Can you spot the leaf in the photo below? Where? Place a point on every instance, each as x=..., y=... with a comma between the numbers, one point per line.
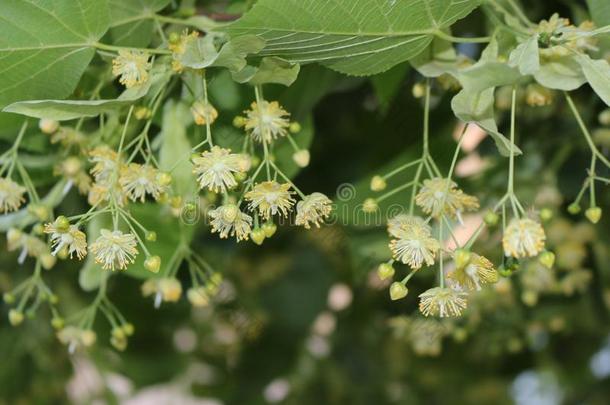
x=437, y=59
x=132, y=21
x=176, y=148
x=597, y=73
x=45, y=46
x=526, y=56
x=600, y=12
x=202, y=53
x=475, y=102
x=63, y=110
x=359, y=37
x=563, y=73
x=275, y=70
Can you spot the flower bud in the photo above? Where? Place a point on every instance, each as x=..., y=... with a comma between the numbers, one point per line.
x=604, y=117
x=62, y=224
x=258, y=236
x=164, y=179
x=398, y=291
x=118, y=332
x=491, y=218
x=239, y=122
x=128, y=328
x=269, y=229
x=48, y=261
x=594, y=214
x=153, y=264
x=119, y=343
x=203, y=113
x=88, y=337
x=385, y=271
x=244, y=162
x=294, y=127
x=15, y=317
x=142, y=113
x=574, y=208
x=8, y=297
x=419, y=90
x=370, y=205
x=546, y=214
x=151, y=236
x=40, y=211
x=461, y=258
x=57, y=323
x=301, y=158
x=198, y=297
x=547, y=259
x=378, y=183
x=538, y=96
x=48, y=126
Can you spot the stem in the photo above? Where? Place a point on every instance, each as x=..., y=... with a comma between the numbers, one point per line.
x=106, y=47
x=585, y=131
x=511, y=161
x=462, y=40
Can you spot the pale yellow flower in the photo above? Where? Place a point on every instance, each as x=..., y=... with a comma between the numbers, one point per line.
x=138, y=180
x=203, y=113
x=523, y=238
x=415, y=246
x=114, y=249
x=266, y=121
x=313, y=208
x=270, y=198
x=403, y=222
x=72, y=169
x=72, y=239
x=215, y=168
x=198, y=296
x=132, y=67
x=476, y=272
x=440, y=196
x=105, y=162
x=443, y=302
x=11, y=195
x=229, y=220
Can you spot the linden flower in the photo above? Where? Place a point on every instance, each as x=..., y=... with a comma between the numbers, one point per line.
x=266, y=121
x=414, y=245
x=68, y=137
x=402, y=222
x=132, y=67
x=101, y=192
x=11, y=195
x=215, y=168
x=523, y=238
x=71, y=168
x=478, y=271
x=203, y=113
x=313, y=208
x=114, y=249
x=440, y=196
x=229, y=220
x=138, y=180
x=105, y=161
x=72, y=239
x=443, y=302
x=270, y=198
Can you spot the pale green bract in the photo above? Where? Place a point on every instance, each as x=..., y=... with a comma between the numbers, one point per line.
x=46, y=45
x=359, y=37
x=597, y=73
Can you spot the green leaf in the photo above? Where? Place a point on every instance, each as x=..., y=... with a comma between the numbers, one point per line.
x=597, y=73
x=475, y=102
x=275, y=70
x=176, y=148
x=526, y=56
x=132, y=21
x=45, y=46
x=202, y=52
x=437, y=59
x=563, y=73
x=600, y=12
x=62, y=110
x=360, y=37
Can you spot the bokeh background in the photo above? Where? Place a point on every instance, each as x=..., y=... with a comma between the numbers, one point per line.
x=304, y=319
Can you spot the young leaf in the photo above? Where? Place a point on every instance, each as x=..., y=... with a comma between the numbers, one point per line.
x=132, y=21
x=526, y=56
x=360, y=37
x=63, y=110
x=275, y=70
x=46, y=46
x=562, y=73
x=597, y=73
